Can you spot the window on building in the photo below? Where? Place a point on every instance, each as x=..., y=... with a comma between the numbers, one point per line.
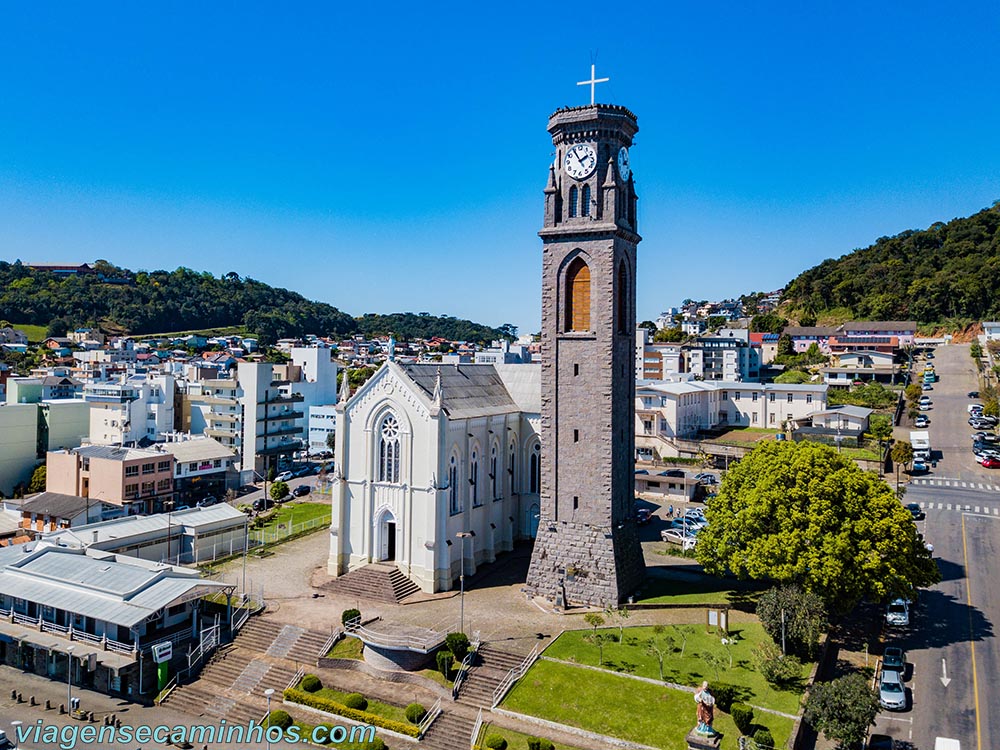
x=535, y=469
x=725, y=395
x=736, y=396
x=771, y=399
x=474, y=478
x=754, y=420
x=809, y=398
x=163, y=466
x=772, y=420
x=623, y=298
x=511, y=467
x=163, y=485
x=789, y=398
x=148, y=488
x=585, y=201
x=453, y=486
x=388, y=450
x=578, y=296
x=149, y=468
x=754, y=396
x=647, y=427
x=131, y=471
x=573, y=198
x=131, y=489
x=494, y=483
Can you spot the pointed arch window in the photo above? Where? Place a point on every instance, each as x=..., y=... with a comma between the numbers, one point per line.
x=474, y=479
x=578, y=296
x=573, y=198
x=494, y=480
x=510, y=467
x=388, y=450
x=623, y=298
x=453, y=502
x=535, y=469
x=585, y=201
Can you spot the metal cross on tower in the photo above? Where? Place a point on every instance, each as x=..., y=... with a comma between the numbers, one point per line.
x=592, y=82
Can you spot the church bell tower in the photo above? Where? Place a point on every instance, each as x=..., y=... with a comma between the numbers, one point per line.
x=587, y=549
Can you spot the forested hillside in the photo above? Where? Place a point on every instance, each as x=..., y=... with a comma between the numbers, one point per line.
x=120, y=300
x=948, y=272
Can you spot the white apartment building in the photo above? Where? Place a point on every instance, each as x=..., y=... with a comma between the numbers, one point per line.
x=656, y=361
x=680, y=410
x=723, y=358
x=322, y=423
x=125, y=413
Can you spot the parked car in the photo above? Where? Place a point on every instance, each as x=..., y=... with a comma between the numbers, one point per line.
x=898, y=613
x=285, y=476
x=918, y=466
x=691, y=525
x=696, y=513
x=973, y=394
x=302, y=489
x=263, y=503
x=991, y=421
x=928, y=387
x=206, y=502
x=916, y=511
x=706, y=478
x=675, y=536
x=921, y=421
x=894, y=659
x=892, y=691
x=990, y=463
x=974, y=407
x=924, y=406
x=672, y=473
x=643, y=516
x=881, y=742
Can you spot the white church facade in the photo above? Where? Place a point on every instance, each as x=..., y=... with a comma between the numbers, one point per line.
x=425, y=452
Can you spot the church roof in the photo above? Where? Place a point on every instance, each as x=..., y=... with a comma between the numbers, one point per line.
x=467, y=391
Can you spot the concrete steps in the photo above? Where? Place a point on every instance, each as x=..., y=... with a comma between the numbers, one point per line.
x=282, y=641
x=381, y=583
x=489, y=669
x=448, y=732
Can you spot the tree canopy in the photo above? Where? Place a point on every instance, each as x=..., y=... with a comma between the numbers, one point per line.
x=842, y=709
x=802, y=513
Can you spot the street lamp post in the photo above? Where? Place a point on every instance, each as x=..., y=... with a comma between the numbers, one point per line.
x=170, y=508
x=246, y=545
x=69, y=678
x=463, y=535
x=267, y=734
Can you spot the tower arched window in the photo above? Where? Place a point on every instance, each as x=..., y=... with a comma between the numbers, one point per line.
x=453, y=502
x=535, y=469
x=474, y=478
x=578, y=296
x=585, y=201
x=494, y=480
x=573, y=199
x=623, y=297
x=388, y=450
x=511, y=467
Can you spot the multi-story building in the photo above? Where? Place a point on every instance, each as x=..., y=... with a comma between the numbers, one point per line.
x=322, y=424
x=136, y=479
x=904, y=330
x=203, y=468
x=656, y=361
x=722, y=358
x=18, y=445
x=138, y=410
x=805, y=336
x=34, y=389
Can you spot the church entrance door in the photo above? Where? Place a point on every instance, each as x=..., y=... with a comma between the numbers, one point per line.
x=386, y=537
x=390, y=532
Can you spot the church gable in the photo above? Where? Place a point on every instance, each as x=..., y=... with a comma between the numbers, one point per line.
x=388, y=383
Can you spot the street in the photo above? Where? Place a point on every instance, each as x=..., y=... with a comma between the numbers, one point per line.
x=951, y=646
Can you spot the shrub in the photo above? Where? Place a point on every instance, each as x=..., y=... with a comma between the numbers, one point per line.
x=310, y=683
x=458, y=644
x=538, y=743
x=724, y=694
x=762, y=739
x=415, y=713
x=333, y=707
x=356, y=701
x=349, y=614
x=742, y=716
x=279, y=718
x=495, y=742
x=444, y=662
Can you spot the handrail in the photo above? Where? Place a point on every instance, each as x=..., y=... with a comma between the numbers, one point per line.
x=463, y=671
x=328, y=644
x=299, y=674
x=52, y=627
x=241, y=618
x=477, y=728
x=428, y=719
x=24, y=619
x=514, y=675
x=167, y=690
x=423, y=645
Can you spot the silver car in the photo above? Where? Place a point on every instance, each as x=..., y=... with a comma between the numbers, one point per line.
x=892, y=691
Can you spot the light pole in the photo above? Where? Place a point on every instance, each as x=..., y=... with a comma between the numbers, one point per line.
x=267, y=734
x=170, y=508
x=69, y=678
x=463, y=535
x=246, y=544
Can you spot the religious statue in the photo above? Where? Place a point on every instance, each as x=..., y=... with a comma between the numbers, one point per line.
x=706, y=710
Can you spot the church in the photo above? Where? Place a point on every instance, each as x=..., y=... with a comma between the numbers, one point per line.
x=426, y=452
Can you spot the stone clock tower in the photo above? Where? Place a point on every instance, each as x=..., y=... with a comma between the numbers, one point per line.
x=587, y=549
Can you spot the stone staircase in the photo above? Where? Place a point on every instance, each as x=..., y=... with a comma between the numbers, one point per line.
x=490, y=667
x=375, y=582
x=231, y=685
x=448, y=732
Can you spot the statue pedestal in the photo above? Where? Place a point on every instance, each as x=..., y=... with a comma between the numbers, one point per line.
x=697, y=741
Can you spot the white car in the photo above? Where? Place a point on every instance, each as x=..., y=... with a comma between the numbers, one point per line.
x=898, y=613
x=676, y=536
x=285, y=476
x=892, y=691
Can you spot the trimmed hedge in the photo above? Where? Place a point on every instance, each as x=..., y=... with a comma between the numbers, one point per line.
x=415, y=713
x=356, y=701
x=444, y=661
x=310, y=683
x=763, y=739
x=332, y=707
x=349, y=614
x=724, y=694
x=279, y=718
x=742, y=716
x=495, y=742
x=458, y=644
x=540, y=743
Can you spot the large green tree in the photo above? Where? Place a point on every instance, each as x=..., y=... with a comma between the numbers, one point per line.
x=793, y=618
x=842, y=709
x=802, y=513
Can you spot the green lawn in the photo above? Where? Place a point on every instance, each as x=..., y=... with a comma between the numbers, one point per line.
x=615, y=705
x=697, y=589
x=35, y=334
x=347, y=647
x=519, y=741
x=386, y=710
x=689, y=669
x=291, y=514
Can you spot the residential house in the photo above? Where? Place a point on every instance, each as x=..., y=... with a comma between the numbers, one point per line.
x=49, y=511
x=805, y=336
x=903, y=330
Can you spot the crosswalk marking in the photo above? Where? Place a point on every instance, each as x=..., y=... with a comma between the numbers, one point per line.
x=956, y=483
x=977, y=509
x=964, y=484
x=949, y=506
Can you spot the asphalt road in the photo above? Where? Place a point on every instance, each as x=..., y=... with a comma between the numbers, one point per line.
x=952, y=648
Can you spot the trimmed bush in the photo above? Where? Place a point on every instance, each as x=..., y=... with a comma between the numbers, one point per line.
x=724, y=694
x=356, y=701
x=349, y=614
x=415, y=713
x=445, y=659
x=762, y=739
x=539, y=743
x=495, y=742
x=279, y=718
x=310, y=683
x=458, y=644
x=333, y=707
x=742, y=716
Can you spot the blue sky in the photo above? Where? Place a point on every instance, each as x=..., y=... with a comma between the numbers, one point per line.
x=391, y=156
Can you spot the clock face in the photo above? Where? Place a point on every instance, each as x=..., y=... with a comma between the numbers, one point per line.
x=623, y=166
x=581, y=160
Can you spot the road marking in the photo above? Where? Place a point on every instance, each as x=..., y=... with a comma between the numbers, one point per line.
x=945, y=679
x=949, y=506
x=964, y=484
x=972, y=643
x=977, y=509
